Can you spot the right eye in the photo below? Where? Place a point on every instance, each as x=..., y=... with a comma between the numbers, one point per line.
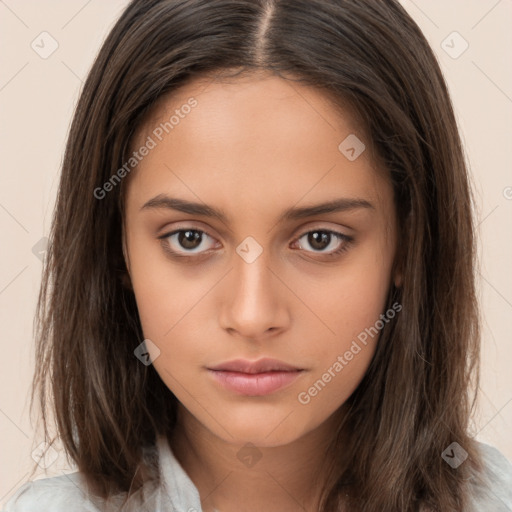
x=184, y=242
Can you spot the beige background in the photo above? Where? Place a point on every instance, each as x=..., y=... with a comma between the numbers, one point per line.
x=37, y=97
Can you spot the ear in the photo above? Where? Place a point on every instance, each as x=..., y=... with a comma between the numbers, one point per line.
x=125, y=252
x=397, y=268
x=125, y=276
x=397, y=278
x=397, y=273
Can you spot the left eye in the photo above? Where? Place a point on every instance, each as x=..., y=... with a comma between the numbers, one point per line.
x=320, y=240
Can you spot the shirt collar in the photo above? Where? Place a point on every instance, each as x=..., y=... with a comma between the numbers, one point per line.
x=177, y=490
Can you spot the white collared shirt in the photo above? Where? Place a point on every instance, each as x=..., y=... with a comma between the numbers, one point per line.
x=177, y=492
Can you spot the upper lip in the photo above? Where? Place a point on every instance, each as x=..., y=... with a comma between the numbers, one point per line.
x=259, y=366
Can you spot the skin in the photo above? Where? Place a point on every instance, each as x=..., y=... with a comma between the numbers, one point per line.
x=254, y=147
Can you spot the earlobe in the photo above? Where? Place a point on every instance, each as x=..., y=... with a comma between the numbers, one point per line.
x=126, y=281
x=125, y=254
x=125, y=277
x=397, y=275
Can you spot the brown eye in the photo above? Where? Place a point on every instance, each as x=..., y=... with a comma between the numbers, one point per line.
x=320, y=240
x=186, y=241
x=189, y=239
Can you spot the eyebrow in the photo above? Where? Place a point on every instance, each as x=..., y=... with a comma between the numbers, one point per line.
x=294, y=213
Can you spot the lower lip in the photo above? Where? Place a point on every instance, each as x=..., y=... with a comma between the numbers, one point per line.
x=254, y=384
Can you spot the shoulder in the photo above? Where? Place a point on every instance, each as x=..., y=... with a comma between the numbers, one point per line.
x=54, y=494
x=494, y=490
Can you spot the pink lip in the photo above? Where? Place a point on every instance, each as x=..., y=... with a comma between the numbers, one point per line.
x=254, y=378
x=260, y=366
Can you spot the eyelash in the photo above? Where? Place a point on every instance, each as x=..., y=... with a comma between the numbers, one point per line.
x=345, y=239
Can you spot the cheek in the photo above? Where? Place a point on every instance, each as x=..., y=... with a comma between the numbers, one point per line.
x=350, y=298
x=172, y=316
x=167, y=293
x=169, y=309
x=351, y=302
x=174, y=308
x=342, y=360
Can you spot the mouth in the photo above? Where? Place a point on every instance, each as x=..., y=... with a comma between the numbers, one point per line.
x=254, y=378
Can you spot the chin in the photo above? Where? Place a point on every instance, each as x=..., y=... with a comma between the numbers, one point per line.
x=262, y=431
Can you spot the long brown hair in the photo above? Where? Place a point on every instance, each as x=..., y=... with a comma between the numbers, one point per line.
x=417, y=395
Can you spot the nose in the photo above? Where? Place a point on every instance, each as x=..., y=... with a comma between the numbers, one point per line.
x=254, y=302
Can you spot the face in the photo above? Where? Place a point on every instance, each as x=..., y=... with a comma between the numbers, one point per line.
x=232, y=257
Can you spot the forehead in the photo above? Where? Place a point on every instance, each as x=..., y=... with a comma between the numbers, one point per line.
x=260, y=136
x=255, y=101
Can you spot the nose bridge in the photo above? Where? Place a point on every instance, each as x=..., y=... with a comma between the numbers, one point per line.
x=253, y=279
x=255, y=301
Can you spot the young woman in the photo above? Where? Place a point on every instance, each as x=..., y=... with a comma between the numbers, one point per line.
x=259, y=291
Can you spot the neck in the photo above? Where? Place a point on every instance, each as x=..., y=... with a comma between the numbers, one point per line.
x=233, y=477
